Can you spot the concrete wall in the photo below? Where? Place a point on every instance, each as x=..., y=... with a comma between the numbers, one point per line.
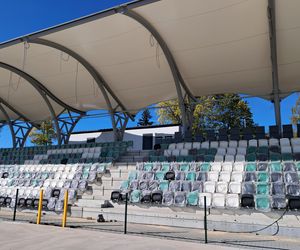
x=135, y=135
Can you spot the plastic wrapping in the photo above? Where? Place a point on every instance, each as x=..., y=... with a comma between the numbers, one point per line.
x=248, y=188
x=179, y=175
x=291, y=177
x=134, y=185
x=135, y=196
x=278, y=188
x=262, y=166
x=163, y=185
x=180, y=199
x=192, y=198
x=232, y=201
x=74, y=184
x=92, y=176
x=262, y=202
x=197, y=186
x=47, y=193
x=174, y=186
x=209, y=187
x=82, y=186
x=249, y=176
x=194, y=166
x=190, y=176
x=146, y=196
x=222, y=187
x=278, y=202
x=276, y=177
x=218, y=200
x=51, y=203
x=160, y=175
x=186, y=186
x=263, y=176
x=59, y=206
x=77, y=176
x=202, y=176
x=156, y=166
x=174, y=166
x=143, y=185
x=153, y=185
x=67, y=184
x=168, y=198
x=262, y=188
x=289, y=166
x=293, y=189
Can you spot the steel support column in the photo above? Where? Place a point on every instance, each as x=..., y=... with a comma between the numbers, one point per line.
x=67, y=123
x=178, y=79
x=45, y=94
x=102, y=85
x=21, y=131
x=273, y=48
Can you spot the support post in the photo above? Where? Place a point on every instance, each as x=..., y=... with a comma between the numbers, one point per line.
x=39, y=215
x=16, y=204
x=64, y=219
x=125, y=219
x=205, y=221
x=273, y=49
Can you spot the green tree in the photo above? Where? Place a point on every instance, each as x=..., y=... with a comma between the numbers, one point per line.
x=217, y=111
x=296, y=112
x=44, y=135
x=145, y=119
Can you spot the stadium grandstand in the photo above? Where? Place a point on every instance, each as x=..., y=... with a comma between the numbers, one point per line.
x=127, y=58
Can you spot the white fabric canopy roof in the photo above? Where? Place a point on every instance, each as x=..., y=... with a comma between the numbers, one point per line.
x=220, y=46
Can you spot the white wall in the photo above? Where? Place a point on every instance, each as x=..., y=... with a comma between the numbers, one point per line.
x=135, y=135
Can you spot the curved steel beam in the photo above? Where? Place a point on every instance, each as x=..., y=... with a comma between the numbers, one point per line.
x=93, y=72
x=17, y=112
x=10, y=125
x=102, y=84
x=36, y=84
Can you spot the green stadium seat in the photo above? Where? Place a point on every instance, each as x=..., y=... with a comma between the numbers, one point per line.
x=262, y=188
x=262, y=176
x=192, y=198
x=250, y=167
x=205, y=167
x=262, y=202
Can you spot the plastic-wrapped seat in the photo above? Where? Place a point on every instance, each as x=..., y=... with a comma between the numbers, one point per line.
x=262, y=176
x=135, y=196
x=289, y=167
x=278, y=202
x=209, y=187
x=197, y=186
x=164, y=185
x=293, y=189
x=213, y=176
x=249, y=176
x=250, y=167
x=145, y=196
x=153, y=185
x=234, y=187
x=262, y=188
x=222, y=187
x=291, y=177
x=237, y=176
x=168, y=198
x=225, y=176
x=218, y=200
x=192, y=198
x=248, y=188
x=276, y=177
x=179, y=175
x=134, y=185
x=175, y=186
x=51, y=203
x=205, y=167
x=202, y=176
x=208, y=199
x=186, y=186
x=143, y=185
x=238, y=166
x=227, y=166
x=232, y=201
x=278, y=188
x=215, y=166
x=180, y=199
x=262, y=202
x=262, y=166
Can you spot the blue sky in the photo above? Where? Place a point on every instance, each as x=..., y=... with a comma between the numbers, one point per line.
x=18, y=18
